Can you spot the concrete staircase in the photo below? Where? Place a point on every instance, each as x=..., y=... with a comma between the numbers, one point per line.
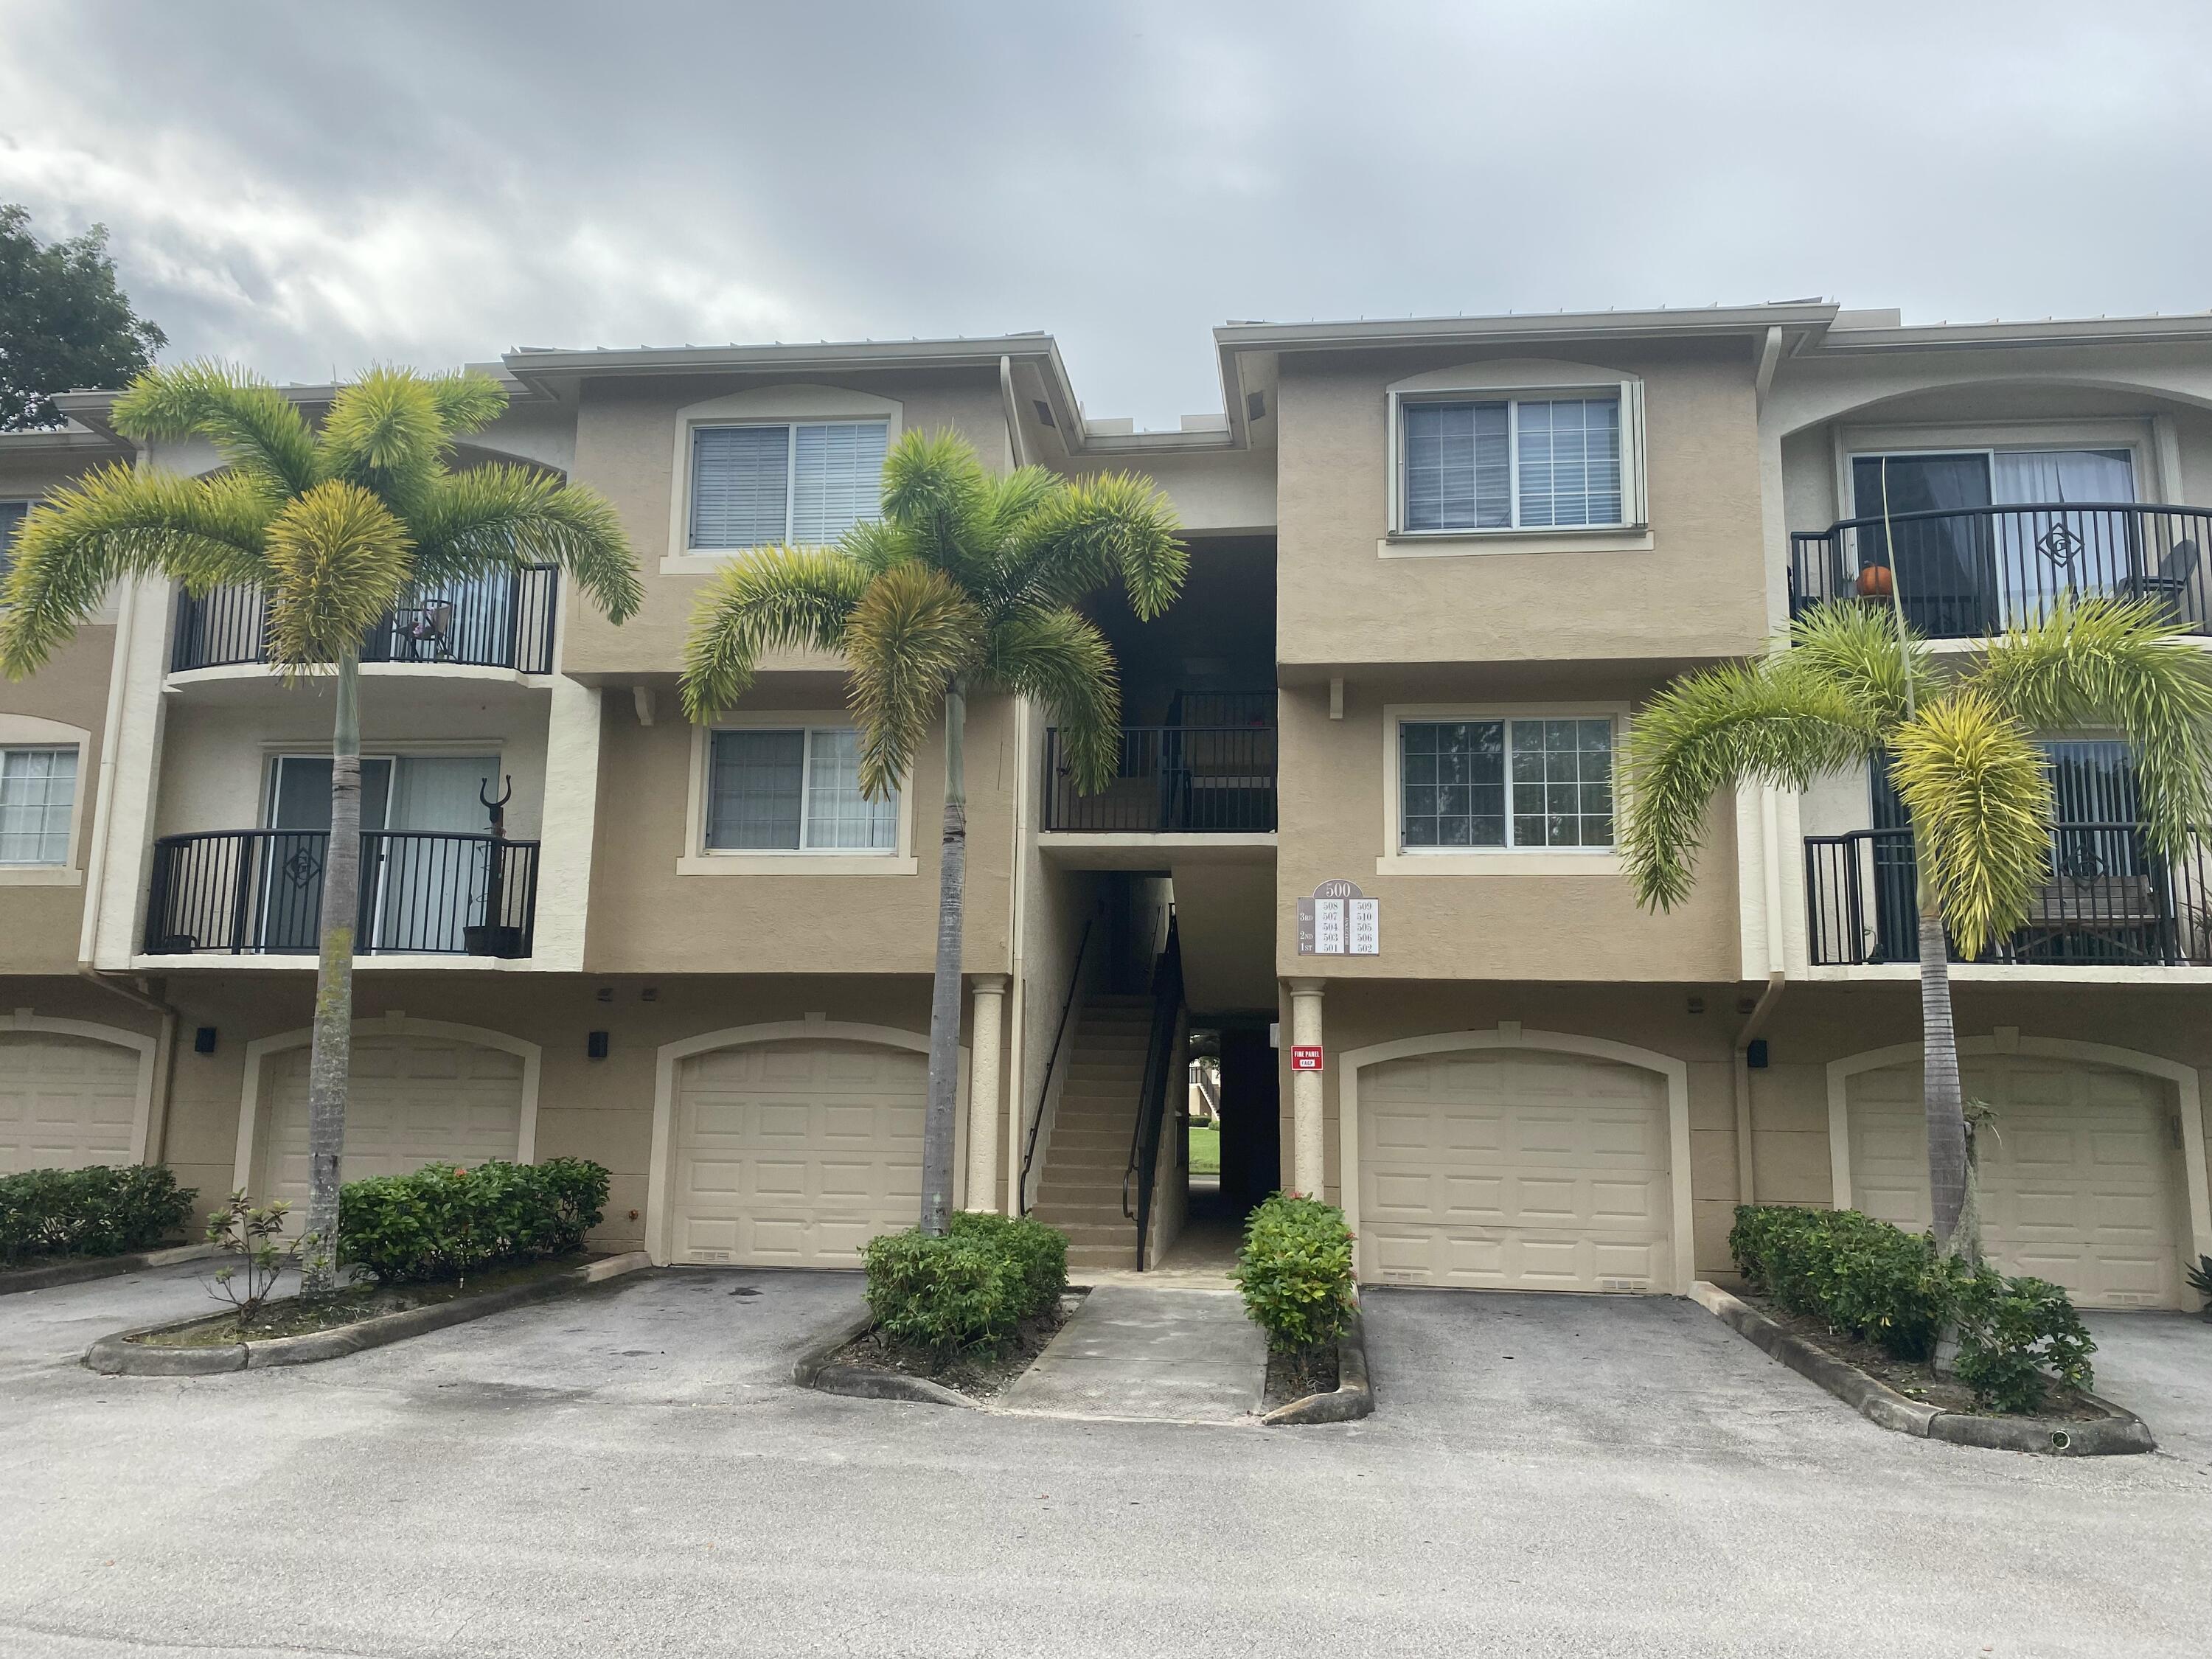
x=1089, y=1154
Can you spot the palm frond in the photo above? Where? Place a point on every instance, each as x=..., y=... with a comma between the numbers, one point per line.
x=1060, y=659
x=911, y=635
x=1762, y=722
x=1097, y=529
x=1854, y=648
x=115, y=523
x=338, y=560
x=876, y=545
x=768, y=600
x=1980, y=800
x=466, y=400
x=2124, y=664
x=937, y=491
x=256, y=429
x=498, y=515
x=385, y=433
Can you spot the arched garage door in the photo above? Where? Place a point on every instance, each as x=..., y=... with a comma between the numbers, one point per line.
x=65, y=1102
x=1514, y=1169
x=795, y=1153
x=2081, y=1183
x=412, y=1100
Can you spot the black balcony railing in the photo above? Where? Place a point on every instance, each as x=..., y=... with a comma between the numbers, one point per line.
x=2111, y=902
x=1173, y=780
x=1977, y=571
x=501, y=621
x=260, y=891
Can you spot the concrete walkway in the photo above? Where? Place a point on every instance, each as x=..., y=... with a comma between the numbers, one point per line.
x=1149, y=1353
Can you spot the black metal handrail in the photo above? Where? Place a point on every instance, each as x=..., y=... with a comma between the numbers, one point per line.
x=2111, y=900
x=1171, y=780
x=504, y=620
x=260, y=892
x=1152, y=1102
x=1052, y=1059
x=1964, y=573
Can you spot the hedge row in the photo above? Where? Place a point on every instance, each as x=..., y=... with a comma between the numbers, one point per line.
x=444, y=1222
x=1295, y=1269
x=104, y=1209
x=1884, y=1286
x=966, y=1289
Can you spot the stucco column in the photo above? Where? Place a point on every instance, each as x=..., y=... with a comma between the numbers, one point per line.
x=1308, y=1154
x=983, y=1094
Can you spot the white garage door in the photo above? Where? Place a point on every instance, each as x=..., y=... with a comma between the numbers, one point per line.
x=65, y=1102
x=413, y=1100
x=795, y=1154
x=1517, y=1171
x=2081, y=1184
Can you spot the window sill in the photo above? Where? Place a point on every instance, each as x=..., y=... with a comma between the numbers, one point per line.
x=703, y=564
x=39, y=875
x=1461, y=544
x=797, y=864
x=1500, y=863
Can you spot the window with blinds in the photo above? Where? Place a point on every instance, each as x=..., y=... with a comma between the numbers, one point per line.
x=38, y=786
x=11, y=514
x=1511, y=464
x=760, y=486
x=794, y=791
x=1499, y=783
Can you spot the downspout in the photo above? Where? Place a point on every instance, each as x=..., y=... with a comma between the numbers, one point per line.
x=110, y=731
x=1777, y=975
x=1015, y=450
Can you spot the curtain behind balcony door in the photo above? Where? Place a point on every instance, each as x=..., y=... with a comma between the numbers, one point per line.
x=2042, y=554
x=430, y=889
x=1946, y=568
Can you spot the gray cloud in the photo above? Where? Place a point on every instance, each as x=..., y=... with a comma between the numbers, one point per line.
x=312, y=188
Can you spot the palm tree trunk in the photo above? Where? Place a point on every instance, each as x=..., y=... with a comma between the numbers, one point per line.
x=937, y=1125
x=1944, y=1098
x=330, y=1060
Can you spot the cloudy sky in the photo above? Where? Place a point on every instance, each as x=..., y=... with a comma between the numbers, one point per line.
x=312, y=188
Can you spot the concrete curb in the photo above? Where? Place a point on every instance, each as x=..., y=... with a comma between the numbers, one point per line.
x=812, y=1370
x=1352, y=1398
x=2119, y=1433
x=78, y=1271
x=119, y=1355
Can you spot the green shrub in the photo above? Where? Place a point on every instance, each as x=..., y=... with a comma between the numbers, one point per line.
x=1866, y=1278
x=970, y=1288
x=444, y=1222
x=1295, y=1269
x=1870, y=1280
x=102, y=1210
x=2014, y=1335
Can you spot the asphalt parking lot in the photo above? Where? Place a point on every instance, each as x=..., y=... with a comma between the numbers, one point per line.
x=629, y=1472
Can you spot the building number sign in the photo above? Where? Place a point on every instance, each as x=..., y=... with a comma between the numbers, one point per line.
x=1338, y=920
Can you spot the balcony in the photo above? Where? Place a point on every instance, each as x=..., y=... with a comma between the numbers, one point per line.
x=259, y=892
x=2110, y=902
x=1973, y=572
x=503, y=621
x=1216, y=776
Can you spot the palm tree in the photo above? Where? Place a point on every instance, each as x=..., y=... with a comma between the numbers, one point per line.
x=332, y=525
x=968, y=581
x=1855, y=687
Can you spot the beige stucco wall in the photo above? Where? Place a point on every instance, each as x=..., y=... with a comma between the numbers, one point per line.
x=644, y=917
x=39, y=923
x=626, y=449
x=1508, y=925
x=1695, y=592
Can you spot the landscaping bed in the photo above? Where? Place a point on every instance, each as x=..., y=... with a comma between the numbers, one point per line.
x=980, y=1375
x=303, y=1315
x=1307, y=1371
x=1294, y=1269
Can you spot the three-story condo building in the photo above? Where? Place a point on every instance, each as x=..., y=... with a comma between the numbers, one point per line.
x=1360, y=847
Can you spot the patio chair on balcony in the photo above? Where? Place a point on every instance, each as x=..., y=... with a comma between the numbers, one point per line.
x=2173, y=582
x=426, y=630
x=2095, y=918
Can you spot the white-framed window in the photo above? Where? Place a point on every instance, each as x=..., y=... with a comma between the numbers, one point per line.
x=801, y=483
x=37, y=792
x=11, y=514
x=1491, y=462
x=773, y=789
x=1529, y=783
